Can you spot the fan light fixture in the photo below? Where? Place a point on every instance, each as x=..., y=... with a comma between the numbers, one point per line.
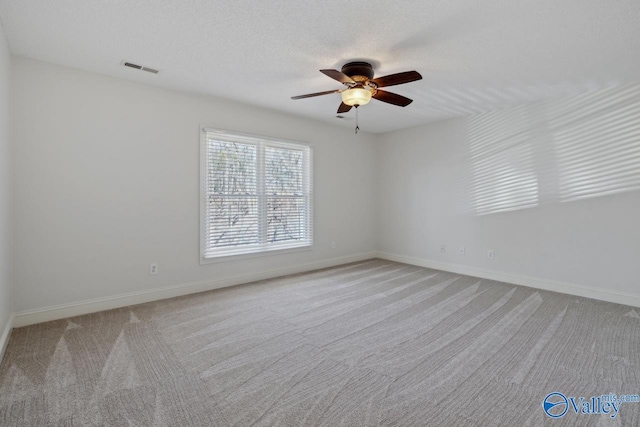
x=360, y=85
x=356, y=96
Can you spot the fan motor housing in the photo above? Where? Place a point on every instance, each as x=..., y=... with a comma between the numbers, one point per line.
x=358, y=69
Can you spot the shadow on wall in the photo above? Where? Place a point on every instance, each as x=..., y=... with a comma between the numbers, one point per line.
x=555, y=151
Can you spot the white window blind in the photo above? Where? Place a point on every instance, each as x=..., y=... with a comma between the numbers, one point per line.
x=256, y=194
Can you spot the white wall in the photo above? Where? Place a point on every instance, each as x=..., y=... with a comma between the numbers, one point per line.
x=6, y=188
x=434, y=180
x=107, y=181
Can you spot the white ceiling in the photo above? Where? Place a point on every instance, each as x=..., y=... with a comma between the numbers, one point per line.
x=474, y=56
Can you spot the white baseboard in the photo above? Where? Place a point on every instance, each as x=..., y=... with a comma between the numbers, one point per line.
x=547, y=285
x=4, y=338
x=47, y=314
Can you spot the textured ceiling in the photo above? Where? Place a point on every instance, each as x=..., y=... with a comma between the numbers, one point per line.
x=474, y=56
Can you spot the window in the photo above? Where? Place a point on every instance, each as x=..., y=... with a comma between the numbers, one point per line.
x=256, y=194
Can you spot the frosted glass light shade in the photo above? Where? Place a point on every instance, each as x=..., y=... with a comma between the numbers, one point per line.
x=356, y=96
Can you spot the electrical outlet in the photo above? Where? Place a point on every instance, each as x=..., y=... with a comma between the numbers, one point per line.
x=153, y=268
x=333, y=244
x=490, y=254
x=461, y=251
x=443, y=249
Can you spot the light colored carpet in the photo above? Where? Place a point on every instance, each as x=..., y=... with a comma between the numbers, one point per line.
x=366, y=344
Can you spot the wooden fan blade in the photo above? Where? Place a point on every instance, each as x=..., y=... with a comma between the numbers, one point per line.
x=343, y=108
x=337, y=75
x=392, y=98
x=397, y=79
x=309, y=95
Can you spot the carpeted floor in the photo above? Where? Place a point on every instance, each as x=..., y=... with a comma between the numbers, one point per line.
x=366, y=344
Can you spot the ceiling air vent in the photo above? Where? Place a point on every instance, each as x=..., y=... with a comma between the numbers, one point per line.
x=140, y=67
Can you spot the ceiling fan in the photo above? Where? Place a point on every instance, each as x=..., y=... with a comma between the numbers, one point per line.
x=361, y=86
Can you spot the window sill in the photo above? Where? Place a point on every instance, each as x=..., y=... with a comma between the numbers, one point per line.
x=239, y=257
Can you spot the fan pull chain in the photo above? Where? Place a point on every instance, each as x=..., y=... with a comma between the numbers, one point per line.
x=357, y=127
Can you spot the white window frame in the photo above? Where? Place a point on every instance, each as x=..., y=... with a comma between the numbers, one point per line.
x=262, y=248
